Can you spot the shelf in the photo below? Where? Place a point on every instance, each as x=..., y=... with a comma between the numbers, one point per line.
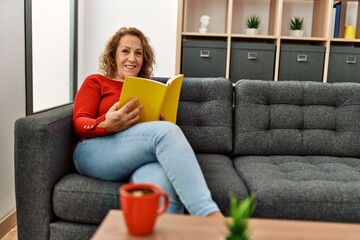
x=228, y=17
x=304, y=39
x=253, y=36
x=196, y=34
x=345, y=40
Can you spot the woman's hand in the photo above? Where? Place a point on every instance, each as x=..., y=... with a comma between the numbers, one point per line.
x=117, y=120
x=162, y=117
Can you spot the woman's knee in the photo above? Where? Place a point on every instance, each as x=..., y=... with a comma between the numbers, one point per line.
x=165, y=126
x=169, y=130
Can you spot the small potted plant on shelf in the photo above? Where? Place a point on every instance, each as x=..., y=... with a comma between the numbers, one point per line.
x=296, y=26
x=252, y=24
x=240, y=211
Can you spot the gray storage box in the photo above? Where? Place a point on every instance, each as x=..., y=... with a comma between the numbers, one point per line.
x=205, y=58
x=252, y=61
x=301, y=62
x=344, y=64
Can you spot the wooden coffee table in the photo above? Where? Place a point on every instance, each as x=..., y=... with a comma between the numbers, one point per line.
x=182, y=227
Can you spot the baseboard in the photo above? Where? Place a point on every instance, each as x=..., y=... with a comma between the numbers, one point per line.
x=7, y=223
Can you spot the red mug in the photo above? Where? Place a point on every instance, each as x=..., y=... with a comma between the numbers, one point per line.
x=140, y=203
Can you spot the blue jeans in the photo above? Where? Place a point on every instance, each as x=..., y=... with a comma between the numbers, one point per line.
x=153, y=152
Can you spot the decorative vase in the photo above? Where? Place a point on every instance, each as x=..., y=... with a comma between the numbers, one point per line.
x=297, y=33
x=251, y=31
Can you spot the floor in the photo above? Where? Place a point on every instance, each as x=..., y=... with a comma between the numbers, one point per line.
x=12, y=235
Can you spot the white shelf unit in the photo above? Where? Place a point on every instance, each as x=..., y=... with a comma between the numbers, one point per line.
x=228, y=16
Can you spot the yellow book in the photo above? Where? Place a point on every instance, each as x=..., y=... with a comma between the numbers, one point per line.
x=155, y=97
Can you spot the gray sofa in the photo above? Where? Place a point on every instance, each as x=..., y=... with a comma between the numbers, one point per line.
x=295, y=145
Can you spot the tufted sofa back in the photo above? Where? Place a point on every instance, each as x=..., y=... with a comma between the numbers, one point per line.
x=296, y=118
x=205, y=114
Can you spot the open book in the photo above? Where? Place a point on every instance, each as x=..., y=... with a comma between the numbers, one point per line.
x=155, y=97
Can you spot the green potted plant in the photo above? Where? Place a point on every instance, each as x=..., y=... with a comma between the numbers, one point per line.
x=240, y=211
x=296, y=25
x=252, y=24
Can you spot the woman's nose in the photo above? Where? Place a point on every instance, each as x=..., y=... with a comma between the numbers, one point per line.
x=131, y=57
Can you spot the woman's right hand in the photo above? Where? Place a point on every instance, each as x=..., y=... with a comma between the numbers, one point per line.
x=117, y=120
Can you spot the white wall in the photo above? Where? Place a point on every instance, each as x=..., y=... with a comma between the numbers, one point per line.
x=12, y=94
x=99, y=19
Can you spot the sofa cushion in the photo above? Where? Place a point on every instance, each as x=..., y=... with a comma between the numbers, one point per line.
x=310, y=187
x=297, y=118
x=81, y=199
x=222, y=179
x=70, y=230
x=205, y=114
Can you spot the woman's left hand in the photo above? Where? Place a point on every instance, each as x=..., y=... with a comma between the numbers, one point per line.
x=162, y=117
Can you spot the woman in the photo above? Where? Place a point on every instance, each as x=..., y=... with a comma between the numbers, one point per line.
x=115, y=147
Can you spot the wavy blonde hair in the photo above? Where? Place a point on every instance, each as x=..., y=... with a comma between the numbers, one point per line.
x=107, y=60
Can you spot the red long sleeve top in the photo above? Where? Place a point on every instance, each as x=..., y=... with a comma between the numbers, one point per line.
x=94, y=98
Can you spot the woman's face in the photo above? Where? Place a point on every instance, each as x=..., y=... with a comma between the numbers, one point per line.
x=129, y=56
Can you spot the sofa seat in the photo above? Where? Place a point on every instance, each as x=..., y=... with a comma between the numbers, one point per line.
x=222, y=179
x=303, y=187
x=81, y=199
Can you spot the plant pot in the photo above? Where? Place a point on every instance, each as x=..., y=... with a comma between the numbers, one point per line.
x=251, y=31
x=297, y=33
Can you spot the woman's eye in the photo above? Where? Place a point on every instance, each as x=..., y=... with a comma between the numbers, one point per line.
x=139, y=54
x=125, y=51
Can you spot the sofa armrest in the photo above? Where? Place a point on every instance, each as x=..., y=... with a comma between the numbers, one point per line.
x=43, y=155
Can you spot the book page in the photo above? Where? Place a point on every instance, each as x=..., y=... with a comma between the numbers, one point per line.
x=150, y=95
x=171, y=101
